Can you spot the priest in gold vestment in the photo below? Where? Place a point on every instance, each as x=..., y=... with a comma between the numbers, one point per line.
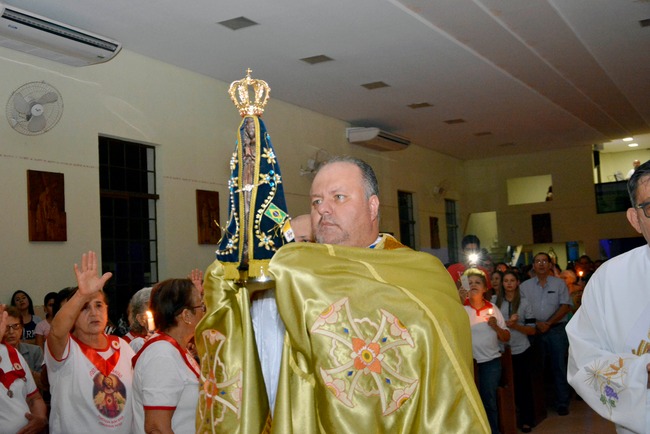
x=376, y=339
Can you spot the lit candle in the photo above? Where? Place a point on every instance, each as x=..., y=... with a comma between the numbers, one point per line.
x=150, y=325
x=580, y=273
x=490, y=311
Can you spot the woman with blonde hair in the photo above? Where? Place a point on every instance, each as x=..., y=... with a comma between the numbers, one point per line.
x=488, y=329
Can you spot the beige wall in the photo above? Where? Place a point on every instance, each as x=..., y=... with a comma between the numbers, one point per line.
x=612, y=162
x=192, y=123
x=573, y=209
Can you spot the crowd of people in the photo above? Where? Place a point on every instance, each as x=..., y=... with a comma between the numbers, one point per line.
x=91, y=378
x=589, y=324
x=533, y=304
x=150, y=379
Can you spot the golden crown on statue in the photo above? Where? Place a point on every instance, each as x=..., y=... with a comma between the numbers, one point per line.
x=247, y=103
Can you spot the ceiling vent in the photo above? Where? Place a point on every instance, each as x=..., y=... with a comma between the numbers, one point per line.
x=376, y=139
x=39, y=36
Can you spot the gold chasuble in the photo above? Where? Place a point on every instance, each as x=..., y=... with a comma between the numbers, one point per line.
x=377, y=341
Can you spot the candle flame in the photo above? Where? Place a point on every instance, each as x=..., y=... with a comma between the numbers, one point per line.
x=150, y=324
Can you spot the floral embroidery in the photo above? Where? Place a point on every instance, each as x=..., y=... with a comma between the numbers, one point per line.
x=397, y=328
x=266, y=242
x=270, y=178
x=219, y=391
x=365, y=357
x=329, y=315
x=608, y=379
x=269, y=155
x=233, y=159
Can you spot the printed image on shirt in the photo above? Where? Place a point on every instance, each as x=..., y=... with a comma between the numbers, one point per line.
x=110, y=395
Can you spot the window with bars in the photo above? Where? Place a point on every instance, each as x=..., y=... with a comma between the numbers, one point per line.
x=406, y=218
x=452, y=230
x=127, y=183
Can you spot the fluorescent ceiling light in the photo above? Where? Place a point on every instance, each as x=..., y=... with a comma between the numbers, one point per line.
x=628, y=139
x=633, y=145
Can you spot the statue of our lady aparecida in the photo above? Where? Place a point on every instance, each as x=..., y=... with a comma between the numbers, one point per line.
x=238, y=289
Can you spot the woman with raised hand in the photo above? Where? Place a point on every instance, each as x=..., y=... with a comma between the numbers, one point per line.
x=89, y=372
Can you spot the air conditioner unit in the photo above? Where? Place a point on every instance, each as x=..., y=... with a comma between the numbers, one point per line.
x=376, y=139
x=24, y=31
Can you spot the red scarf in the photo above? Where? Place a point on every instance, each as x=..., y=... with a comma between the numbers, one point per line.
x=7, y=378
x=487, y=305
x=105, y=366
x=185, y=355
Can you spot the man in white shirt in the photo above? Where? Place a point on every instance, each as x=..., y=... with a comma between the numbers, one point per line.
x=635, y=165
x=609, y=336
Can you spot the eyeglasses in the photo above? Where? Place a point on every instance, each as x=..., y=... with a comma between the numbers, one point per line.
x=645, y=206
x=14, y=327
x=541, y=261
x=202, y=306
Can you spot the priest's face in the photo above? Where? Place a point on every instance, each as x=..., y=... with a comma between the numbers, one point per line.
x=340, y=211
x=636, y=216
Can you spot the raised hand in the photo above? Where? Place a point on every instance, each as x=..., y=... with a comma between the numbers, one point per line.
x=196, y=276
x=3, y=321
x=88, y=278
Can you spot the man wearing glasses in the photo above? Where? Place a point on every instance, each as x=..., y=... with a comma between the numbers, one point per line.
x=609, y=356
x=549, y=297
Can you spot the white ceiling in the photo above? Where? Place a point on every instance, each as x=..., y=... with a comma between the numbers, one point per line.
x=525, y=76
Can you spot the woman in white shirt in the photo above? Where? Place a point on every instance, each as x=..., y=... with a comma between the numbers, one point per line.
x=521, y=322
x=488, y=329
x=166, y=376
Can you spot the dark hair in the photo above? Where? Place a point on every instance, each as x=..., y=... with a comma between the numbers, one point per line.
x=371, y=186
x=640, y=172
x=168, y=299
x=49, y=296
x=548, y=257
x=66, y=294
x=30, y=308
x=501, y=274
x=516, y=301
x=14, y=312
x=470, y=239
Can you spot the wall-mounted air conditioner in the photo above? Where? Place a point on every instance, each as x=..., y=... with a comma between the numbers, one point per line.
x=24, y=31
x=376, y=139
